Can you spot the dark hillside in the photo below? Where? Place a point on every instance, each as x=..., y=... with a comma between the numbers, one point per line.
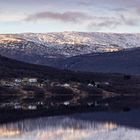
x=12, y=68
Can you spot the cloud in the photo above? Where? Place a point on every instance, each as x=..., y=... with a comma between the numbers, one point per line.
x=69, y=16
x=118, y=9
x=112, y=22
x=90, y=21
x=85, y=3
x=138, y=10
x=103, y=23
x=110, y=2
x=129, y=21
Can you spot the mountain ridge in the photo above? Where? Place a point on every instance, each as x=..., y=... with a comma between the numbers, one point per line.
x=67, y=50
x=117, y=62
x=68, y=44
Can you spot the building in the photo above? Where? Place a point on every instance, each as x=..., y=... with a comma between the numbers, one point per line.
x=32, y=80
x=18, y=81
x=90, y=85
x=29, y=81
x=66, y=85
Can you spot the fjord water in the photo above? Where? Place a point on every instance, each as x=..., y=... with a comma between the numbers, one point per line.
x=90, y=126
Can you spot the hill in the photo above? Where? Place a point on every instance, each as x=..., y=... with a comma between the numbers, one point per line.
x=10, y=68
x=64, y=44
x=116, y=62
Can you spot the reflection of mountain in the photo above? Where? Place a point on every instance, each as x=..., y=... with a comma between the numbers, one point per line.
x=82, y=126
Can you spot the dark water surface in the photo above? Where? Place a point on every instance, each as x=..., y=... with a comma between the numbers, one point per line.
x=88, y=126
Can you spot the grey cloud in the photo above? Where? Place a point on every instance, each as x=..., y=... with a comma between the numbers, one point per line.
x=111, y=23
x=138, y=10
x=85, y=3
x=118, y=9
x=107, y=23
x=92, y=22
x=64, y=17
x=128, y=21
x=114, y=5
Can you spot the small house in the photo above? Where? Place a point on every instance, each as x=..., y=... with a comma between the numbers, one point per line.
x=97, y=84
x=90, y=85
x=66, y=85
x=18, y=81
x=25, y=80
x=32, y=80
x=106, y=83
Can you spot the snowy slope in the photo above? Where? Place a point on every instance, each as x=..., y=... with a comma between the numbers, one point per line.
x=65, y=44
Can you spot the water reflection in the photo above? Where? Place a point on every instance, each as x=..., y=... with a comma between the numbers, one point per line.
x=66, y=128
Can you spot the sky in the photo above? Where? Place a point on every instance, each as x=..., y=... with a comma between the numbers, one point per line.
x=41, y=16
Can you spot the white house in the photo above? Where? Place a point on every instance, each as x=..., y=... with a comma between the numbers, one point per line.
x=106, y=83
x=32, y=80
x=18, y=81
x=90, y=85
x=66, y=85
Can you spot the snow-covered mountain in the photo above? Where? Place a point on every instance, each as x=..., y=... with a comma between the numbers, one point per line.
x=75, y=50
x=64, y=44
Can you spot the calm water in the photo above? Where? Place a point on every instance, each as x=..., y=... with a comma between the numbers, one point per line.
x=76, y=127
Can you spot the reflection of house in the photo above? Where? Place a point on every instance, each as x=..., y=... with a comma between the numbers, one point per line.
x=32, y=107
x=11, y=105
x=17, y=106
x=90, y=103
x=66, y=103
x=29, y=107
x=101, y=83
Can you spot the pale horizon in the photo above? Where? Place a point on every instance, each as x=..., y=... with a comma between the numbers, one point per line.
x=69, y=32
x=45, y=16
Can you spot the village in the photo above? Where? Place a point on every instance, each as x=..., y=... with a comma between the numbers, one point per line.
x=42, y=82
x=33, y=93
x=21, y=82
